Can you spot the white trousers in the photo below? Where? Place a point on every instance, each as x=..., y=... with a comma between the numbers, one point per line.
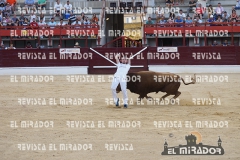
x=123, y=84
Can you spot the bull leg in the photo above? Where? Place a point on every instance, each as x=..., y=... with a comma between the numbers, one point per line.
x=140, y=97
x=162, y=98
x=176, y=95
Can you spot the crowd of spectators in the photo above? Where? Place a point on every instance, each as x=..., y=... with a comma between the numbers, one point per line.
x=214, y=16
x=35, y=19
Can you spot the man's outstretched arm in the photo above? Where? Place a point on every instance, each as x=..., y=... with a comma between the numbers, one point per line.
x=117, y=58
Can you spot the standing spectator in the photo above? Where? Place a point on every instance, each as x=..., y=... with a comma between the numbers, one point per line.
x=192, y=3
x=181, y=15
x=14, y=18
x=29, y=5
x=219, y=10
x=52, y=23
x=12, y=3
x=68, y=7
x=41, y=4
x=210, y=11
x=58, y=9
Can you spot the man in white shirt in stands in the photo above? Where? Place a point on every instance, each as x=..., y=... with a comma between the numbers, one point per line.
x=181, y=15
x=120, y=77
x=219, y=10
x=58, y=8
x=68, y=7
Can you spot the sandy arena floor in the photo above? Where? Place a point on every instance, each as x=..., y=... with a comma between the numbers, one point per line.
x=146, y=139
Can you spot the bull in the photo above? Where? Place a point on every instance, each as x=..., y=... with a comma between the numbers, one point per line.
x=145, y=82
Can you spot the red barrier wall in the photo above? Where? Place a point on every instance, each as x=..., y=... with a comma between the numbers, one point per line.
x=12, y=58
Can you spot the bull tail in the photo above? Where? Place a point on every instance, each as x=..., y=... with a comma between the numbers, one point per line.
x=193, y=80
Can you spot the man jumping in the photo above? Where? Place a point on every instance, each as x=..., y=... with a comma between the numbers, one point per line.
x=120, y=77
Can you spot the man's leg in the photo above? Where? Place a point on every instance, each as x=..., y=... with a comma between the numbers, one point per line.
x=123, y=84
x=115, y=83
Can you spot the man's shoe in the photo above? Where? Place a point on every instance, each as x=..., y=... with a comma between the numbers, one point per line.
x=125, y=105
x=117, y=104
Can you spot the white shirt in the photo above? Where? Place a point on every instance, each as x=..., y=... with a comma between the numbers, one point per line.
x=33, y=16
x=41, y=24
x=58, y=7
x=68, y=7
x=122, y=70
x=182, y=15
x=59, y=24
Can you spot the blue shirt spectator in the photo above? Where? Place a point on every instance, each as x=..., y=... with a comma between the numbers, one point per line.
x=149, y=21
x=52, y=23
x=179, y=21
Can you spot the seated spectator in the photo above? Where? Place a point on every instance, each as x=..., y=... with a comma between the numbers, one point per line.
x=28, y=45
x=4, y=21
x=233, y=15
x=14, y=18
x=225, y=43
x=32, y=16
x=3, y=2
x=72, y=18
x=10, y=23
x=41, y=4
x=2, y=8
x=197, y=21
x=17, y=23
x=41, y=24
x=219, y=10
x=61, y=23
x=83, y=16
x=58, y=9
x=162, y=22
x=29, y=5
x=225, y=16
x=219, y=20
x=1, y=15
x=215, y=43
x=68, y=7
x=200, y=10
x=2, y=46
x=94, y=18
x=149, y=21
x=11, y=46
x=41, y=16
x=188, y=21
x=8, y=9
x=87, y=22
x=181, y=15
x=170, y=22
x=210, y=11
x=21, y=19
x=179, y=21
x=52, y=23
x=211, y=20
x=34, y=24
x=12, y=3
x=192, y=3
x=169, y=3
x=76, y=45
x=237, y=5
x=172, y=15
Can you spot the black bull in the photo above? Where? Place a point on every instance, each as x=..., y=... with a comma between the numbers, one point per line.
x=145, y=82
